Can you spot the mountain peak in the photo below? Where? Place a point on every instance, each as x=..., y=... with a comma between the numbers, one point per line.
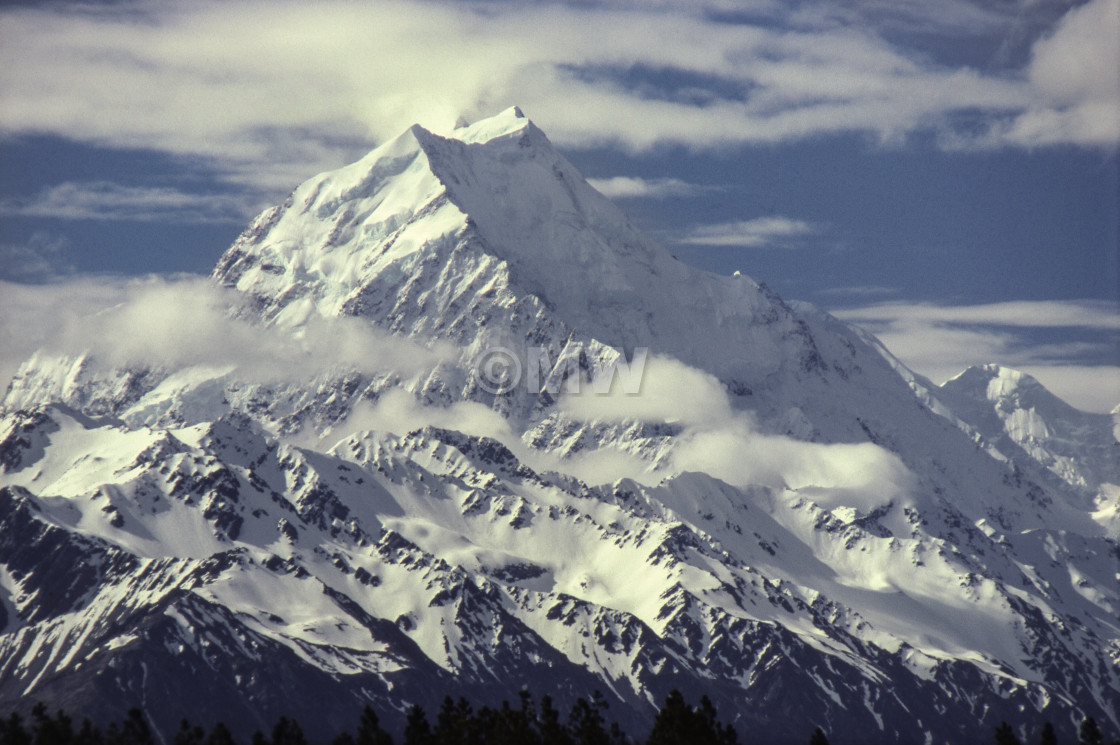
x=366, y=177
x=496, y=203
x=996, y=383
x=1031, y=426
x=508, y=122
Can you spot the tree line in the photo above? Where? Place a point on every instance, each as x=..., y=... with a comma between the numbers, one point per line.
x=457, y=723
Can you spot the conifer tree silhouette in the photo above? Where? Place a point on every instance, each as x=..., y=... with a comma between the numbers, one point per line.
x=1089, y=733
x=417, y=731
x=220, y=735
x=1005, y=735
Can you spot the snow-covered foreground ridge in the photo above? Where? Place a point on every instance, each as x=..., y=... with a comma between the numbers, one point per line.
x=310, y=502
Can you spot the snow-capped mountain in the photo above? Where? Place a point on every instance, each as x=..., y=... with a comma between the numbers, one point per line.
x=785, y=518
x=1013, y=413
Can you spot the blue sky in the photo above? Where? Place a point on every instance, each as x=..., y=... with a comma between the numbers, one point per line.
x=944, y=173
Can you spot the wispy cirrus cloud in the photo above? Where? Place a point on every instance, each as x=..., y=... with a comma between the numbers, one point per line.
x=103, y=200
x=312, y=83
x=940, y=341
x=1090, y=314
x=757, y=233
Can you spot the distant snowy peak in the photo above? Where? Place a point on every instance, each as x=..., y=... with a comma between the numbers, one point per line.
x=993, y=395
x=489, y=232
x=1005, y=388
x=1019, y=416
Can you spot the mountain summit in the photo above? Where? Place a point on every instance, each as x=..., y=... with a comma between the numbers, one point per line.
x=491, y=230
x=781, y=516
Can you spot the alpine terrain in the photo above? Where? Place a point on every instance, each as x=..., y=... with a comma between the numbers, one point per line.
x=536, y=451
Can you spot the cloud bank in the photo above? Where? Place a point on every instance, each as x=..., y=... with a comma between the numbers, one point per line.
x=713, y=439
x=722, y=442
x=310, y=83
x=182, y=322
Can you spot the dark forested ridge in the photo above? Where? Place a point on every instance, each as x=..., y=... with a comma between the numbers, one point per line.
x=458, y=723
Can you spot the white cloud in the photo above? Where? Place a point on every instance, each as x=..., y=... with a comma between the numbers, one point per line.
x=1079, y=60
x=670, y=391
x=762, y=231
x=630, y=187
x=274, y=91
x=102, y=200
x=180, y=322
x=1073, y=80
x=714, y=439
x=1076, y=71
x=720, y=441
x=1089, y=388
x=860, y=475
x=947, y=18
x=941, y=341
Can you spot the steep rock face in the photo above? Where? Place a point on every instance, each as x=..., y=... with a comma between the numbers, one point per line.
x=827, y=539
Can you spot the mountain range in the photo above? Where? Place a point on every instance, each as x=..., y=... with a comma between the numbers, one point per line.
x=519, y=444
